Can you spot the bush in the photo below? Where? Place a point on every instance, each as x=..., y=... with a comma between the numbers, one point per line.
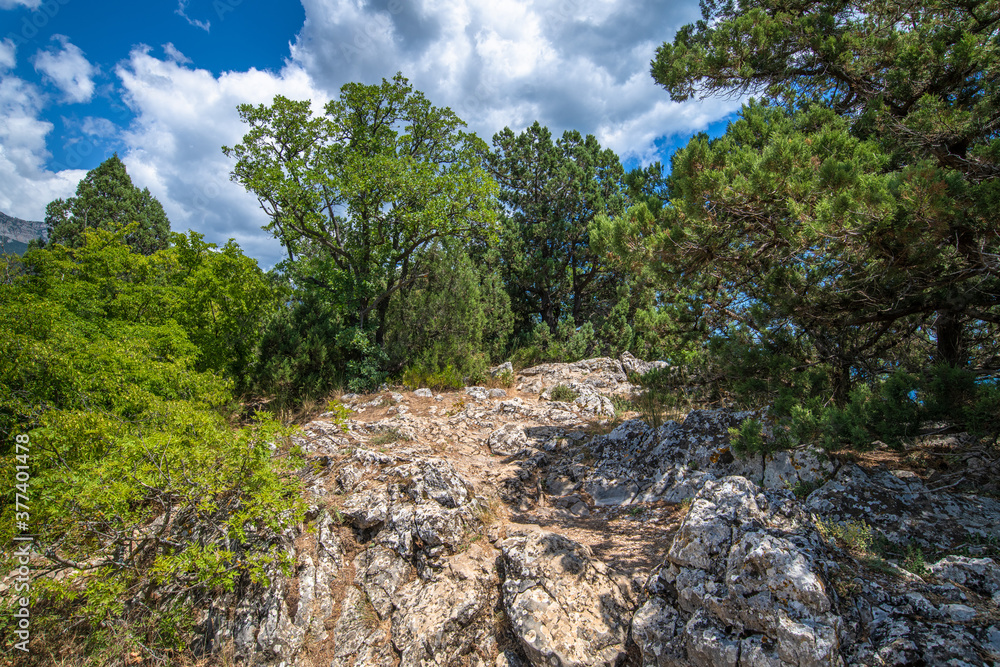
x=145, y=490
x=563, y=393
x=419, y=376
x=749, y=438
x=567, y=344
x=662, y=394
x=891, y=411
x=451, y=317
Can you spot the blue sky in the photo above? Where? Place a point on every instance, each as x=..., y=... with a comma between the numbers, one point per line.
x=158, y=82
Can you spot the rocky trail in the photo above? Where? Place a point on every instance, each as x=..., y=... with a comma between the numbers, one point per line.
x=498, y=527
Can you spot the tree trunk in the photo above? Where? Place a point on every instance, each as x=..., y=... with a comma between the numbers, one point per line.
x=380, y=312
x=548, y=312
x=949, y=331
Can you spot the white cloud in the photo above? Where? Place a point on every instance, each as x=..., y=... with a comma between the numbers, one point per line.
x=183, y=118
x=182, y=11
x=28, y=185
x=11, y=4
x=577, y=64
x=99, y=127
x=174, y=54
x=571, y=64
x=8, y=54
x=68, y=69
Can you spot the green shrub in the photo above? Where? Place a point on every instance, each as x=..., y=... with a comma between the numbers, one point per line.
x=567, y=343
x=662, y=394
x=339, y=414
x=893, y=411
x=749, y=438
x=914, y=561
x=563, y=393
x=419, y=376
x=452, y=316
x=143, y=488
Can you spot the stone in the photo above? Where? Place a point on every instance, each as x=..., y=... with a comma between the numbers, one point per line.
x=505, y=367
x=440, y=620
x=477, y=393
x=420, y=550
x=508, y=440
x=564, y=607
x=423, y=393
x=982, y=575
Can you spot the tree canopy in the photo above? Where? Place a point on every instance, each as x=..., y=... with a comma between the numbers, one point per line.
x=898, y=232
x=107, y=199
x=551, y=191
x=355, y=194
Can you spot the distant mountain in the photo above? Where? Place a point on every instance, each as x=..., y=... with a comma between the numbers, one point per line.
x=15, y=233
x=8, y=247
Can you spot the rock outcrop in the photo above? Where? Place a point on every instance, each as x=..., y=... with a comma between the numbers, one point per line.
x=496, y=527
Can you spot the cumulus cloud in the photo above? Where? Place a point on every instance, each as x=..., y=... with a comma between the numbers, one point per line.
x=28, y=185
x=183, y=118
x=573, y=64
x=8, y=54
x=95, y=126
x=68, y=69
x=577, y=64
x=174, y=54
x=11, y=4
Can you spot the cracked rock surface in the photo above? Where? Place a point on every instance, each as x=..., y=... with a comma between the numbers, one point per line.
x=495, y=527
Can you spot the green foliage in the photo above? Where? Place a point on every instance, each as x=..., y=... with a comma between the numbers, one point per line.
x=418, y=376
x=859, y=209
x=892, y=410
x=444, y=318
x=567, y=343
x=749, y=439
x=552, y=190
x=506, y=379
x=339, y=414
x=651, y=406
x=106, y=199
x=914, y=561
x=139, y=482
x=563, y=393
x=803, y=488
x=857, y=536
x=224, y=301
x=358, y=193
x=306, y=351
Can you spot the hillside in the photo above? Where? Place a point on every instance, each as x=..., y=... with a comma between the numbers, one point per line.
x=495, y=527
x=16, y=233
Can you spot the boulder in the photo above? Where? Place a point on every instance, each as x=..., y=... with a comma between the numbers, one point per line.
x=507, y=440
x=564, y=606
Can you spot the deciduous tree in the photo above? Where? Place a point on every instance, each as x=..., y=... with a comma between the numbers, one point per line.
x=362, y=189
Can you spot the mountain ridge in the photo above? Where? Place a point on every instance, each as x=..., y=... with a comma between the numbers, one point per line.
x=15, y=233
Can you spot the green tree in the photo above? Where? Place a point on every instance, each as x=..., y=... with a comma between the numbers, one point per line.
x=147, y=497
x=920, y=83
x=106, y=199
x=357, y=193
x=453, y=315
x=224, y=301
x=551, y=192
